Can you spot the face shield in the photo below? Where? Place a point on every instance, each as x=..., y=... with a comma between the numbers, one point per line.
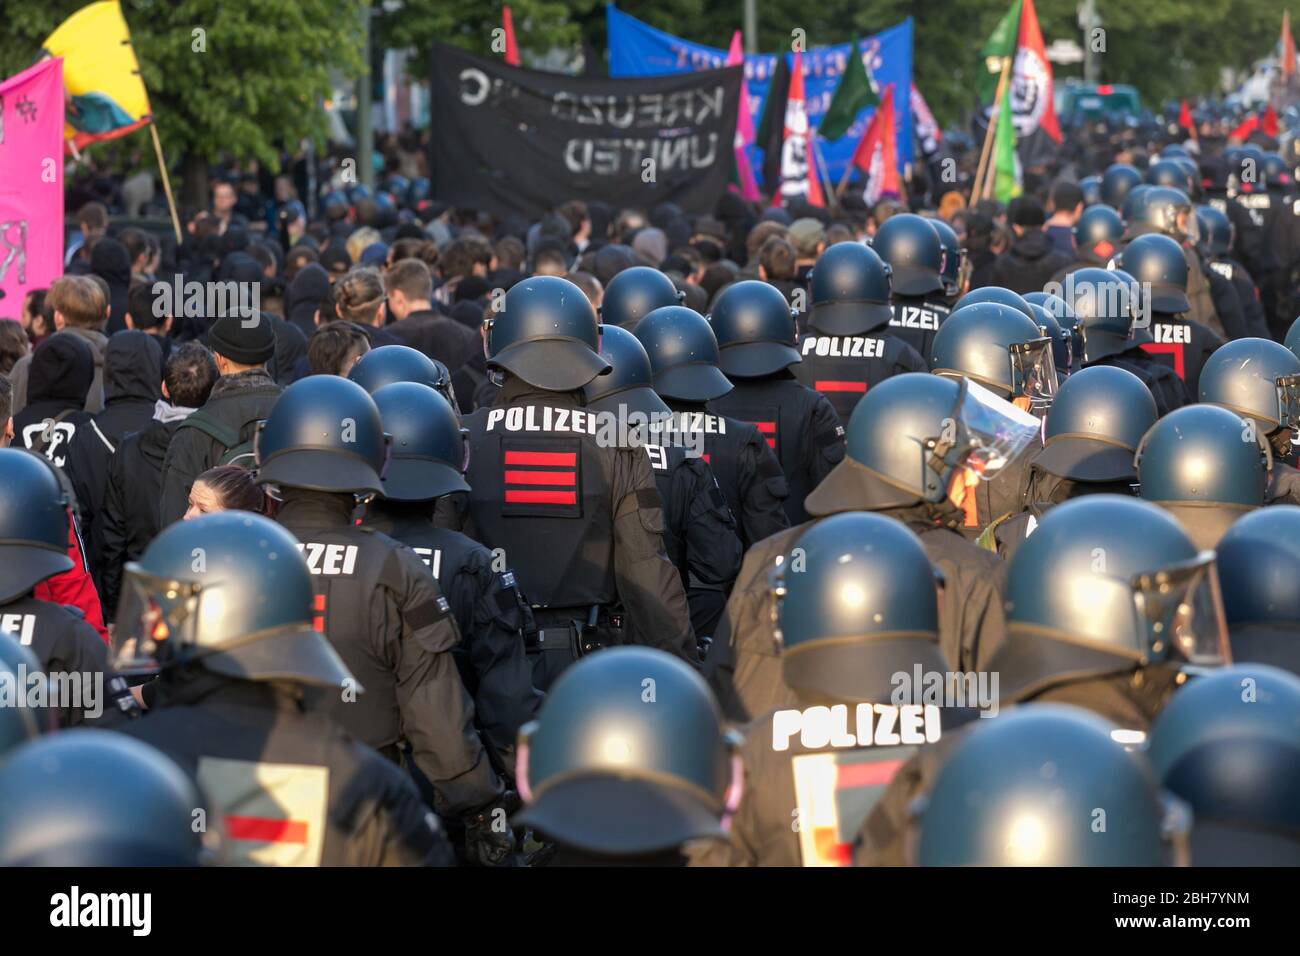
x=1288, y=402
x=1180, y=609
x=1033, y=376
x=988, y=432
x=156, y=620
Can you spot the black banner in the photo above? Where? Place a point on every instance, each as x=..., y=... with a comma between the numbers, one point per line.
x=511, y=140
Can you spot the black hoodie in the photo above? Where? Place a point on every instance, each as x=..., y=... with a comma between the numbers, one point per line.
x=111, y=262
x=61, y=373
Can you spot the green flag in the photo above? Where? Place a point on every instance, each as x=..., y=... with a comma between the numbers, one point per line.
x=851, y=95
x=1006, y=175
x=1000, y=45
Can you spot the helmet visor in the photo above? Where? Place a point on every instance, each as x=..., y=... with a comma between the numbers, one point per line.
x=1288, y=401
x=155, y=616
x=1033, y=374
x=1182, y=611
x=994, y=430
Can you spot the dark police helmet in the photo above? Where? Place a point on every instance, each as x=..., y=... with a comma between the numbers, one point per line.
x=33, y=523
x=634, y=293
x=910, y=434
x=1216, y=230
x=1099, y=229
x=1258, y=556
x=546, y=334
x=428, y=446
x=1157, y=262
x=1167, y=172
x=994, y=293
x=1095, y=425
x=1116, y=182
x=1167, y=210
x=999, y=347
x=850, y=286
x=755, y=330
x=856, y=603
x=1107, y=584
x=1135, y=204
x=1090, y=186
x=17, y=724
x=1173, y=150
x=1044, y=785
x=1229, y=744
x=324, y=433
x=953, y=257
x=630, y=383
x=1061, y=336
x=401, y=363
x=683, y=354
x=98, y=798
x=1292, y=341
x=1205, y=466
x=1254, y=377
x=911, y=246
x=1277, y=174
x=628, y=756
x=231, y=592
x=1105, y=303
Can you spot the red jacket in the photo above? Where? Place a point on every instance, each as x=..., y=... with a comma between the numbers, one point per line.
x=74, y=587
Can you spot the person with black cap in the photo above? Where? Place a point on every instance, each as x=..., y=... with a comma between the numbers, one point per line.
x=290, y=342
x=427, y=464
x=684, y=360
x=700, y=532
x=578, y=517
x=1031, y=260
x=756, y=347
x=221, y=432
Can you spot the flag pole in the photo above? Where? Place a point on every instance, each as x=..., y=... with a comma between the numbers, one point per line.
x=977, y=191
x=823, y=171
x=167, y=183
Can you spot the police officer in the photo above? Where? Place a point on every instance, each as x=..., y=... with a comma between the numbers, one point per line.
x=1097, y=237
x=1024, y=790
x=627, y=761
x=1282, y=232
x=954, y=262
x=1260, y=603
x=426, y=464
x=1216, y=249
x=635, y=293
x=98, y=798
x=684, y=360
x=700, y=532
x=401, y=363
x=1058, y=319
x=846, y=344
x=322, y=447
x=857, y=608
x=579, y=519
x=233, y=643
x=912, y=248
x=1107, y=308
x=1261, y=380
x=18, y=724
x=1116, y=181
x=34, y=547
x=1090, y=186
x=756, y=349
x=1227, y=745
x=911, y=441
x=1181, y=342
x=1250, y=246
x=1090, y=436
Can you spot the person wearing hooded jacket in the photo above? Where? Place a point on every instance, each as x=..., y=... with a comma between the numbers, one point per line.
x=61, y=372
x=111, y=262
x=1031, y=260
x=78, y=304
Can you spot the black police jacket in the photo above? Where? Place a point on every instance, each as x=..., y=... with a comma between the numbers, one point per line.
x=1184, y=346
x=289, y=786
x=1252, y=308
x=799, y=424
x=917, y=319
x=489, y=611
x=578, y=518
x=843, y=367
x=746, y=467
x=383, y=612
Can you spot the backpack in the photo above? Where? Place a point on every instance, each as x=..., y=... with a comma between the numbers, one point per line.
x=236, y=444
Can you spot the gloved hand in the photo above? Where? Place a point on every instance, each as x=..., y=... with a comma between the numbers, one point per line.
x=488, y=838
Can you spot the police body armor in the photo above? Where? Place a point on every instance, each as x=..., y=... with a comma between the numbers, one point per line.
x=844, y=367
x=916, y=320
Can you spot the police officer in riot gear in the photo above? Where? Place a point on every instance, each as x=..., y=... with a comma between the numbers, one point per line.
x=954, y=262
x=322, y=447
x=221, y=607
x=97, y=798
x=401, y=363
x=756, y=349
x=1059, y=336
x=1216, y=250
x=634, y=293
x=34, y=547
x=1116, y=181
x=911, y=442
x=1107, y=306
x=1090, y=186
x=847, y=345
x=684, y=359
x=1195, y=464
x=1090, y=436
x=1261, y=604
x=857, y=609
x=577, y=516
x=1250, y=246
x=1227, y=745
x=1261, y=380
x=700, y=532
x=17, y=724
x=1184, y=344
x=911, y=246
x=627, y=761
x=427, y=463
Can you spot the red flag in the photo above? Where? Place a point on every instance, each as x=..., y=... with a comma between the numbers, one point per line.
x=1288, y=47
x=877, y=153
x=508, y=24
x=798, y=168
x=1031, y=49
x=1185, y=118
x=1268, y=123
x=1247, y=127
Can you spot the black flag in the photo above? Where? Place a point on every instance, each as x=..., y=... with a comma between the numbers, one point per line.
x=771, y=126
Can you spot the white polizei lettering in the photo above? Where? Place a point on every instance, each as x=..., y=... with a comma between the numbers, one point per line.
x=514, y=418
x=885, y=734
x=785, y=724
x=21, y=625
x=432, y=558
x=495, y=415
x=332, y=554
x=882, y=725
x=561, y=421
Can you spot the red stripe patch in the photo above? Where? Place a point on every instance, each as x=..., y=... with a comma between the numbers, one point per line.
x=266, y=830
x=567, y=478
x=852, y=776
x=825, y=385
x=1168, y=348
x=767, y=428
x=566, y=459
x=515, y=497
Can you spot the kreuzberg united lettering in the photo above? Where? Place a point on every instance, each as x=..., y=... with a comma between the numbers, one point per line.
x=843, y=346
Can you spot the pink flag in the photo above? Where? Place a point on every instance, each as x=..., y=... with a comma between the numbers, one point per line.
x=31, y=182
x=744, y=128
